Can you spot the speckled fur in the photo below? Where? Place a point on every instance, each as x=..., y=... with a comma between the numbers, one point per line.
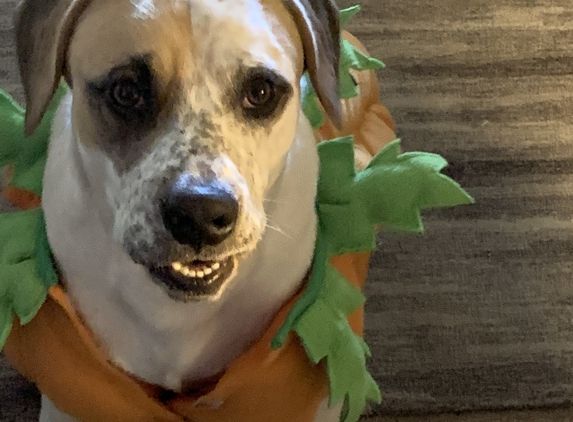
x=138, y=224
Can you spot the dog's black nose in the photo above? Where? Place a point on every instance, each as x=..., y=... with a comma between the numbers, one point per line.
x=199, y=214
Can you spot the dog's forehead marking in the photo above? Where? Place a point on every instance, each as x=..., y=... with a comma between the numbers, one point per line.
x=144, y=9
x=148, y=9
x=186, y=36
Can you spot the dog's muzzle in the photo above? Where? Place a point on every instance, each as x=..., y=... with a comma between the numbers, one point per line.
x=197, y=214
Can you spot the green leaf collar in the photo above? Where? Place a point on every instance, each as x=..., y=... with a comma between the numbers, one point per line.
x=26, y=268
x=391, y=192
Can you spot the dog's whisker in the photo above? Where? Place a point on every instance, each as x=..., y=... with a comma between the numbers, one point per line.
x=275, y=201
x=278, y=229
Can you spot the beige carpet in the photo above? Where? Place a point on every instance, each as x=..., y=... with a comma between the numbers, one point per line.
x=478, y=314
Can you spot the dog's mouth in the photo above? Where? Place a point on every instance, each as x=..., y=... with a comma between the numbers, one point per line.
x=193, y=280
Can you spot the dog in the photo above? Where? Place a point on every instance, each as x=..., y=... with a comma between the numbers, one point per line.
x=179, y=190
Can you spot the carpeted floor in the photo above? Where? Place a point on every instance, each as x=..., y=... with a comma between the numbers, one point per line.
x=477, y=314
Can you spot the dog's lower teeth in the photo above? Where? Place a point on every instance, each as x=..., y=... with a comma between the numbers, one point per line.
x=187, y=279
x=198, y=272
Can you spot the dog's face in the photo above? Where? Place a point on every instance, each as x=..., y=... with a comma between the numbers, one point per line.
x=194, y=105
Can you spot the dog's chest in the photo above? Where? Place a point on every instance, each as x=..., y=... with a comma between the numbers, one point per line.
x=147, y=333
x=171, y=344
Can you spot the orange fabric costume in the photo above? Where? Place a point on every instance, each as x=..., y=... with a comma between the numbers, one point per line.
x=58, y=353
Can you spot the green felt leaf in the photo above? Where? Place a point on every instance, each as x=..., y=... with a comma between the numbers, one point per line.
x=355, y=59
x=342, y=215
x=349, y=227
x=26, y=268
x=319, y=328
x=348, y=87
x=355, y=404
x=350, y=58
x=9, y=106
x=348, y=378
x=29, y=177
x=347, y=14
x=26, y=271
x=328, y=314
x=311, y=293
x=396, y=187
x=26, y=154
x=339, y=294
x=327, y=336
x=337, y=171
x=43, y=255
x=11, y=122
x=28, y=291
x=6, y=320
x=18, y=234
x=310, y=104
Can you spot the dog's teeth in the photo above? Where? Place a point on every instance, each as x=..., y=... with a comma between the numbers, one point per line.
x=199, y=272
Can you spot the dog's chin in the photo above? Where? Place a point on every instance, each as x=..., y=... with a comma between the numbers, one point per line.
x=195, y=280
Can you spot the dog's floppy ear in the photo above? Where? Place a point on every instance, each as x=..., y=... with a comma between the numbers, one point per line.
x=43, y=28
x=318, y=24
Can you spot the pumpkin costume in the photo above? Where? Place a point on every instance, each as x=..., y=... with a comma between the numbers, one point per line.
x=312, y=350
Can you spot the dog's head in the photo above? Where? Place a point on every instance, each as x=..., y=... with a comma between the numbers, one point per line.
x=194, y=105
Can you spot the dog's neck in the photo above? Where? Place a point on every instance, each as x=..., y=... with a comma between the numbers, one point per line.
x=148, y=334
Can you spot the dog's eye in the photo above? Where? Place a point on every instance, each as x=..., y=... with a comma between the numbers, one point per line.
x=126, y=93
x=258, y=93
x=262, y=92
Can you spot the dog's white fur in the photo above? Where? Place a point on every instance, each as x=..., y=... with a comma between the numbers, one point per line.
x=274, y=174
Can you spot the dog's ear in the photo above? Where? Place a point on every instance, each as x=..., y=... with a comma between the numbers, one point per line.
x=318, y=24
x=43, y=28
